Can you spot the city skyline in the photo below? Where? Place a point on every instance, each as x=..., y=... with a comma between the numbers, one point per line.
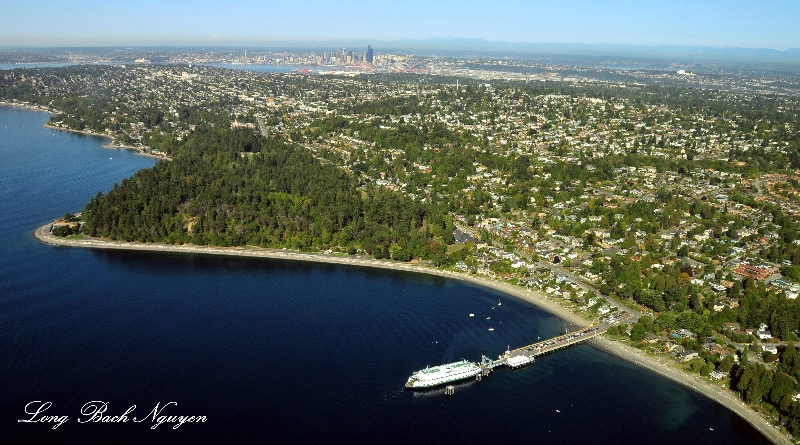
x=754, y=24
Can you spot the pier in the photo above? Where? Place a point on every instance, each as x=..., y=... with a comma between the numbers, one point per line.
x=520, y=357
x=512, y=358
x=547, y=346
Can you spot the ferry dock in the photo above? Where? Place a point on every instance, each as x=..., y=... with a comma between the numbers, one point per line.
x=517, y=358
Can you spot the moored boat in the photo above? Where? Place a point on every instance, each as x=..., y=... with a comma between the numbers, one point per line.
x=439, y=375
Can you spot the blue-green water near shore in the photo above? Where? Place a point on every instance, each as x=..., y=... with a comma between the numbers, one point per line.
x=275, y=351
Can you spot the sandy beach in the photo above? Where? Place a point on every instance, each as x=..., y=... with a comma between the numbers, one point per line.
x=661, y=366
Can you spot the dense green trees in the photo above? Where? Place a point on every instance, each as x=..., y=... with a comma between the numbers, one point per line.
x=228, y=187
x=63, y=231
x=234, y=187
x=759, y=384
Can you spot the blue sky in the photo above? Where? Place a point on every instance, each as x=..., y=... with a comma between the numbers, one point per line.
x=749, y=24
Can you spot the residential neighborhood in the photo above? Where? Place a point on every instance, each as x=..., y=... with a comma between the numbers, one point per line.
x=664, y=202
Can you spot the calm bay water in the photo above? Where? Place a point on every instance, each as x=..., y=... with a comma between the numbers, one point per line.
x=267, y=68
x=280, y=352
x=12, y=66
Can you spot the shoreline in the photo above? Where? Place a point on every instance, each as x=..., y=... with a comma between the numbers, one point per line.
x=637, y=357
x=111, y=144
x=717, y=394
x=28, y=106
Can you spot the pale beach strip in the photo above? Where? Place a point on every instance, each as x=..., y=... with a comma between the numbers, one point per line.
x=111, y=144
x=661, y=366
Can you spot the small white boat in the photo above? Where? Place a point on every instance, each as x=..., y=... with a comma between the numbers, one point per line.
x=499, y=303
x=471, y=315
x=491, y=328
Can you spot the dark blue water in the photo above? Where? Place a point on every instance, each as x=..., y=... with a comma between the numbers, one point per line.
x=280, y=352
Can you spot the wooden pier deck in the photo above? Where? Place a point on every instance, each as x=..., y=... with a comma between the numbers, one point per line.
x=543, y=347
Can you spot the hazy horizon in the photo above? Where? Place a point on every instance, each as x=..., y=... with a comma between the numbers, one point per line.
x=445, y=43
x=714, y=23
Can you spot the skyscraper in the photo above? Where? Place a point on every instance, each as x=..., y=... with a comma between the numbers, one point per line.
x=369, y=54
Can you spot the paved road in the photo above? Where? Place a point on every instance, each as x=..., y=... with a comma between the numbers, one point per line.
x=634, y=315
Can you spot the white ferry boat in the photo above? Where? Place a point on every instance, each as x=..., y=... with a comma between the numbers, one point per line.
x=439, y=375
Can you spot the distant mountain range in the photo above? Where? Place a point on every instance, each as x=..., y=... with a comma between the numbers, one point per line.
x=605, y=54
x=467, y=46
